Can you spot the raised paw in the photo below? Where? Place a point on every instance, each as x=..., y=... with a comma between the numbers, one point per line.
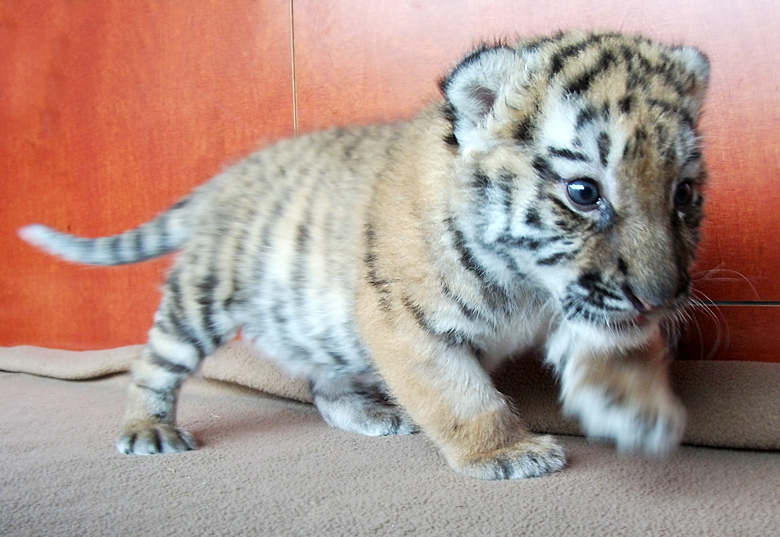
x=651, y=424
x=153, y=439
x=534, y=456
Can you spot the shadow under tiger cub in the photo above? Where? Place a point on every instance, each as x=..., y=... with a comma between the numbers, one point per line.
x=551, y=201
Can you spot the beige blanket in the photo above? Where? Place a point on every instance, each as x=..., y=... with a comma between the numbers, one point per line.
x=268, y=465
x=730, y=404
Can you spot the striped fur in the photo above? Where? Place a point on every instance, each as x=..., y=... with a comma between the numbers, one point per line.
x=550, y=201
x=163, y=235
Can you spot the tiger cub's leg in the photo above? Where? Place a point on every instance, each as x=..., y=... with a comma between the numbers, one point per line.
x=188, y=327
x=452, y=398
x=358, y=403
x=624, y=397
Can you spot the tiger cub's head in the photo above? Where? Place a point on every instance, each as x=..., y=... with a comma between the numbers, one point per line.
x=581, y=170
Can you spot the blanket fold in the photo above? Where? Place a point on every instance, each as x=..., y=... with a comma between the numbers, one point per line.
x=730, y=404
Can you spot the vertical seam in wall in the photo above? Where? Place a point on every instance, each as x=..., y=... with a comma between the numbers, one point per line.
x=292, y=58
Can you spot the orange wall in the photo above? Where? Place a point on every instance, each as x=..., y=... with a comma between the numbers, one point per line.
x=109, y=111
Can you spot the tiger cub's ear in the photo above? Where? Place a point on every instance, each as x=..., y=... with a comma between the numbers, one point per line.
x=697, y=67
x=473, y=87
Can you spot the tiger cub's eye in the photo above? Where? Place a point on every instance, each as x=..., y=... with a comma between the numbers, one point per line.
x=584, y=193
x=683, y=195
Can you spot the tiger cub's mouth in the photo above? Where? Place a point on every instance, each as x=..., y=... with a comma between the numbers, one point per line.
x=626, y=325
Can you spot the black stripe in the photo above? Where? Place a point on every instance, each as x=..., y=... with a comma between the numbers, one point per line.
x=465, y=256
x=242, y=289
x=544, y=170
x=524, y=130
x=664, y=106
x=334, y=355
x=500, y=193
x=300, y=285
x=480, y=182
x=138, y=242
x=635, y=146
x=533, y=218
x=451, y=336
x=626, y=103
x=564, y=54
x=302, y=242
x=604, y=144
x=372, y=276
x=592, y=283
x=670, y=74
x=382, y=285
x=238, y=296
x=419, y=315
x=258, y=262
x=492, y=293
x=470, y=313
x=564, y=208
x=114, y=246
x=525, y=243
x=666, y=71
x=182, y=203
x=663, y=143
x=206, y=298
x=168, y=365
x=572, y=220
x=568, y=154
x=582, y=83
x=448, y=111
x=281, y=318
x=185, y=333
x=586, y=115
x=478, y=353
x=164, y=395
x=555, y=258
x=160, y=229
x=174, y=313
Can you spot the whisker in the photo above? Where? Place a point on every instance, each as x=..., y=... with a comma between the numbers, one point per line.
x=699, y=301
x=718, y=274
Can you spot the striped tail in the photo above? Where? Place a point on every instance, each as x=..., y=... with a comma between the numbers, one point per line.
x=155, y=238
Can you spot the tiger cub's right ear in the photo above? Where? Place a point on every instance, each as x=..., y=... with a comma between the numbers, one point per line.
x=697, y=65
x=473, y=87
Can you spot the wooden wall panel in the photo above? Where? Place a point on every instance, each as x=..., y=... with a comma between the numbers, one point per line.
x=726, y=332
x=378, y=61
x=109, y=112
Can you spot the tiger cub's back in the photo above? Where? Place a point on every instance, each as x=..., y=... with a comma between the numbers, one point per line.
x=282, y=238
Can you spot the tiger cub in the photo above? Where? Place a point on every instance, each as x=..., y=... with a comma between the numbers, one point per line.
x=550, y=201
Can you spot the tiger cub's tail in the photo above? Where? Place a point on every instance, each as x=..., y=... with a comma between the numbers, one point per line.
x=164, y=234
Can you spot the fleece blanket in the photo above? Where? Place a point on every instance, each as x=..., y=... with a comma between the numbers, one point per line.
x=730, y=404
x=268, y=465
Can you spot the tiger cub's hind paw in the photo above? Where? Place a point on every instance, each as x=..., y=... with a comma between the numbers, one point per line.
x=362, y=415
x=147, y=438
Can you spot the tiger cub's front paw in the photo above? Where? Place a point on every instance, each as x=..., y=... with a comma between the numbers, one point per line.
x=149, y=438
x=651, y=423
x=533, y=456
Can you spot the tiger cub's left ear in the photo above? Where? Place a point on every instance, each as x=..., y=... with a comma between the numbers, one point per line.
x=697, y=65
x=472, y=88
